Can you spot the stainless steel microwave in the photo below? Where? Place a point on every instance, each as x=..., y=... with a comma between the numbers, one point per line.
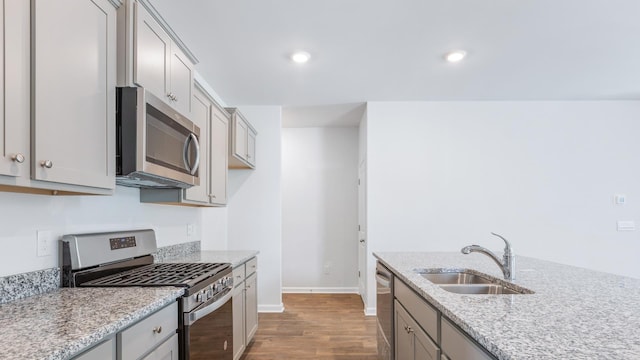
x=156, y=147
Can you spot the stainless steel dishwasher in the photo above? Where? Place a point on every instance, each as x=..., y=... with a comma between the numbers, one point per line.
x=384, y=312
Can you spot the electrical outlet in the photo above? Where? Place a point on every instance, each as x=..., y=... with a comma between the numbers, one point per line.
x=45, y=243
x=327, y=267
x=190, y=228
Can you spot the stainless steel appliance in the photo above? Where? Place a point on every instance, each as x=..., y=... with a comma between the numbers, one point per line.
x=384, y=312
x=120, y=259
x=156, y=147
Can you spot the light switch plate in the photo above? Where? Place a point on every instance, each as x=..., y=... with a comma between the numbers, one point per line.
x=626, y=226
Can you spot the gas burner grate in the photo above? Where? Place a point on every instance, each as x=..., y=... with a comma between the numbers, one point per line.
x=166, y=274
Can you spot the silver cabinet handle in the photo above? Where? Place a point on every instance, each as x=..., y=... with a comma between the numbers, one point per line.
x=157, y=329
x=171, y=96
x=196, y=163
x=212, y=196
x=19, y=158
x=46, y=164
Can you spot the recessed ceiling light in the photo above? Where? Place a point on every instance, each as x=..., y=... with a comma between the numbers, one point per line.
x=300, y=57
x=455, y=56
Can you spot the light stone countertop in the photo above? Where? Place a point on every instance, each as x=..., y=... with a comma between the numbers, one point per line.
x=64, y=322
x=234, y=257
x=575, y=313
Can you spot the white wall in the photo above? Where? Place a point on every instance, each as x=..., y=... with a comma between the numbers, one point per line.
x=442, y=175
x=22, y=215
x=255, y=205
x=319, y=209
x=543, y=174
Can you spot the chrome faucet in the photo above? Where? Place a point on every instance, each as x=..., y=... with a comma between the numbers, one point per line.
x=508, y=263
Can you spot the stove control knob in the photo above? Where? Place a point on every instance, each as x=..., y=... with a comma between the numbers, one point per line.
x=199, y=297
x=209, y=294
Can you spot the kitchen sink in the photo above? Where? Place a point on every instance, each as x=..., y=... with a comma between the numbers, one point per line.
x=463, y=281
x=484, y=289
x=458, y=277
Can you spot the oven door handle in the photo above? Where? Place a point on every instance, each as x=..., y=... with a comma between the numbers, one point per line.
x=192, y=317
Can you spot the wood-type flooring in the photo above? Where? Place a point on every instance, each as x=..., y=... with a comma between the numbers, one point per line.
x=315, y=326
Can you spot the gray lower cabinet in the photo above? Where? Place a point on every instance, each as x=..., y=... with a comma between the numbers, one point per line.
x=53, y=141
x=412, y=343
x=458, y=346
x=152, y=338
x=422, y=332
x=245, y=305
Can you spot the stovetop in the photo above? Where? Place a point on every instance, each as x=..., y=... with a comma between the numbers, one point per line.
x=167, y=274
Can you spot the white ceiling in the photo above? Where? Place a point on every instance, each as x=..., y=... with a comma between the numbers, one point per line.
x=381, y=50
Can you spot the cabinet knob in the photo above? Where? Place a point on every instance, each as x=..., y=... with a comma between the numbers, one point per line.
x=19, y=158
x=46, y=164
x=212, y=196
x=157, y=329
x=172, y=96
x=408, y=329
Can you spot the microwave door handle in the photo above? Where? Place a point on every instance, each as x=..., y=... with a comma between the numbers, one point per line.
x=196, y=163
x=185, y=153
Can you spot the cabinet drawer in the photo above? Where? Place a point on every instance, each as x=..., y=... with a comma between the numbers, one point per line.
x=458, y=345
x=167, y=351
x=251, y=267
x=104, y=351
x=426, y=315
x=148, y=333
x=238, y=275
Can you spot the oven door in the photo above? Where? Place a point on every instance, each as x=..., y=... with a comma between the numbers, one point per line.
x=208, y=330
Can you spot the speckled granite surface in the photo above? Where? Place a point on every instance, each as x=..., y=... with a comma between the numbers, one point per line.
x=235, y=257
x=178, y=250
x=63, y=322
x=20, y=286
x=575, y=313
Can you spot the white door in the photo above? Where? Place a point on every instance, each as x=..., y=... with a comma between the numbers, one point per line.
x=362, y=231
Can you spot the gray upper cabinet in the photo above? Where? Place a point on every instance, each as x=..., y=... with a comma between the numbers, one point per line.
x=242, y=144
x=73, y=97
x=213, y=121
x=159, y=64
x=58, y=120
x=219, y=150
x=14, y=104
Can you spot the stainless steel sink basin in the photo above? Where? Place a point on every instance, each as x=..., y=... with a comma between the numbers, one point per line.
x=456, y=278
x=463, y=281
x=485, y=289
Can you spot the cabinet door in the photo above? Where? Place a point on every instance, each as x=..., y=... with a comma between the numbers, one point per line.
x=403, y=337
x=74, y=69
x=181, y=84
x=151, y=56
x=14, y=75
x=238, y=321
x=411, y=340
x=168, y=350
x=251, y=147
x=219, y=142
x=240, y=138
x=251, y=306
x=201, y=116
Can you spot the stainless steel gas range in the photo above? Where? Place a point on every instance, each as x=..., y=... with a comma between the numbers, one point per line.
x=120, y=259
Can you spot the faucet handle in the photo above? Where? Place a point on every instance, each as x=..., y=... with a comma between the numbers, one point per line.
x=507, y=247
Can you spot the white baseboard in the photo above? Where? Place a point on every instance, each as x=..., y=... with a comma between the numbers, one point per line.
x=271, y=308
x=320, y=290
x=370, y=311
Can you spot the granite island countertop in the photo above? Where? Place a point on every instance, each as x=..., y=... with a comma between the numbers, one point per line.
x=61, y=323
x=234, y=257
x=575, y=313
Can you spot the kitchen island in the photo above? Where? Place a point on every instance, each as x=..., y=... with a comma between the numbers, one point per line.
x=574, y=313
